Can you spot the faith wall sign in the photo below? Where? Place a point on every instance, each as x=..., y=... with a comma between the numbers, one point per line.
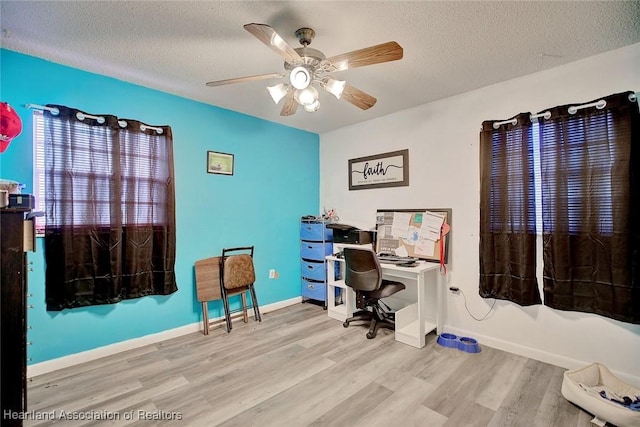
x=379, y=171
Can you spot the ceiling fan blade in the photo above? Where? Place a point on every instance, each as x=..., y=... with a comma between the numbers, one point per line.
x=246, y=79
x=290, y=105
x=358, y=98
x=269, y=37
x=385, y=52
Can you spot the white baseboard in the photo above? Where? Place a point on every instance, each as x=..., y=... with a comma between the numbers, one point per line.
x=536, y=354
x=86, y=356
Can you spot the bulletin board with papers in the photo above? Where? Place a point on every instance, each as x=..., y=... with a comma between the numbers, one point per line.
x=414, y=232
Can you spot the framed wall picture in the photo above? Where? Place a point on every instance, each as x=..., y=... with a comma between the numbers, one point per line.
x=379, y=171
x=220, y=163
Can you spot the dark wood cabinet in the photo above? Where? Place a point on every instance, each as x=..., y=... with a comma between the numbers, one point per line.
x=13, y=360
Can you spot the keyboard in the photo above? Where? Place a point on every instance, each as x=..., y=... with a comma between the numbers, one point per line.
x=395, y=259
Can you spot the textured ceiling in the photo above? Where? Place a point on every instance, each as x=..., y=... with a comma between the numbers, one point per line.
x=449, y=47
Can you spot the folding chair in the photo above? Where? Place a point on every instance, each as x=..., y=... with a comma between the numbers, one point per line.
x=237, y=276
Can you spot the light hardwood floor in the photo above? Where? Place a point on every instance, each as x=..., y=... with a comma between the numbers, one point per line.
x=300, y=368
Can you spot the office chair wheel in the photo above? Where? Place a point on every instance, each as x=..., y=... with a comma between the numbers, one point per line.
x=345, y=324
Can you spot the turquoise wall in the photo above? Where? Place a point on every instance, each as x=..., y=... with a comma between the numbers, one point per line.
x=275, y=181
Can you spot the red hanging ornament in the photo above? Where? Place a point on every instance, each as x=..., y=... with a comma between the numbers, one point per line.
x=10, y=125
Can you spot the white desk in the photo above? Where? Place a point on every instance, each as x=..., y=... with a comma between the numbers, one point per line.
x=419, y=315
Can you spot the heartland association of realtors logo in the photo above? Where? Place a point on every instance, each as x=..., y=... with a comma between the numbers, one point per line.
x=381, y=170
x=92, y=415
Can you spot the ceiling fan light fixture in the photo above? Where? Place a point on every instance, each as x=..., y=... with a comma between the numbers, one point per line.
x=278, y=92
x=306, y=68
x=314, y=106
x=306, y=96
x=300, y=78
x=334, y=87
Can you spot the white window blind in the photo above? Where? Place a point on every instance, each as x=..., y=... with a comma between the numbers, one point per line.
x=38, y=169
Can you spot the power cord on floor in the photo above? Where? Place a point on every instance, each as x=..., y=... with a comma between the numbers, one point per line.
x=456, y=290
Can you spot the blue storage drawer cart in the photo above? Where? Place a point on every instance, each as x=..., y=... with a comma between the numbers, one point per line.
x=314, y=290
x=316, y=242
x=315, y=251
x=314, y=270
x=315, y=231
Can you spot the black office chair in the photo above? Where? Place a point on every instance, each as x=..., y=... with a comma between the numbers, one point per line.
x=364, y=275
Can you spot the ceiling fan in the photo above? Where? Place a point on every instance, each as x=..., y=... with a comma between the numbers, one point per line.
x=306, y=67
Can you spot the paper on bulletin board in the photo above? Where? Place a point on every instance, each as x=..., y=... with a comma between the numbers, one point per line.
x=431, y=227
x=400, y=225
x=426, y=247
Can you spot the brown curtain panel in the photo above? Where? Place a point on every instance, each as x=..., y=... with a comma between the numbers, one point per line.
x=507, y=213
x=110, y=210
x=591, y=209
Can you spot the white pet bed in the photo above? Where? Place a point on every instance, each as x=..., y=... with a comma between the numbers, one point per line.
x=582, y=386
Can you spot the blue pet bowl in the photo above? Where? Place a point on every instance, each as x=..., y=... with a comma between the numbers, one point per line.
x=468, y=345
x=448, y=340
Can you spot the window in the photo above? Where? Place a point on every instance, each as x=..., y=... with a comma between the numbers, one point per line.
x=81, y=160
x=141, y=181
x=578, y=161
x=38, y=169
x=110, y=208
x=144, y=183
x=508, y=212
x=582, y=191
x=564, y=166
x=517, y=190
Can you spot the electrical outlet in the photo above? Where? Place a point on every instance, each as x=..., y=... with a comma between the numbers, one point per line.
x=272, y=274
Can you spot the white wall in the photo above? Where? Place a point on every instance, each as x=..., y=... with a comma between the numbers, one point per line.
x=442, y=138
